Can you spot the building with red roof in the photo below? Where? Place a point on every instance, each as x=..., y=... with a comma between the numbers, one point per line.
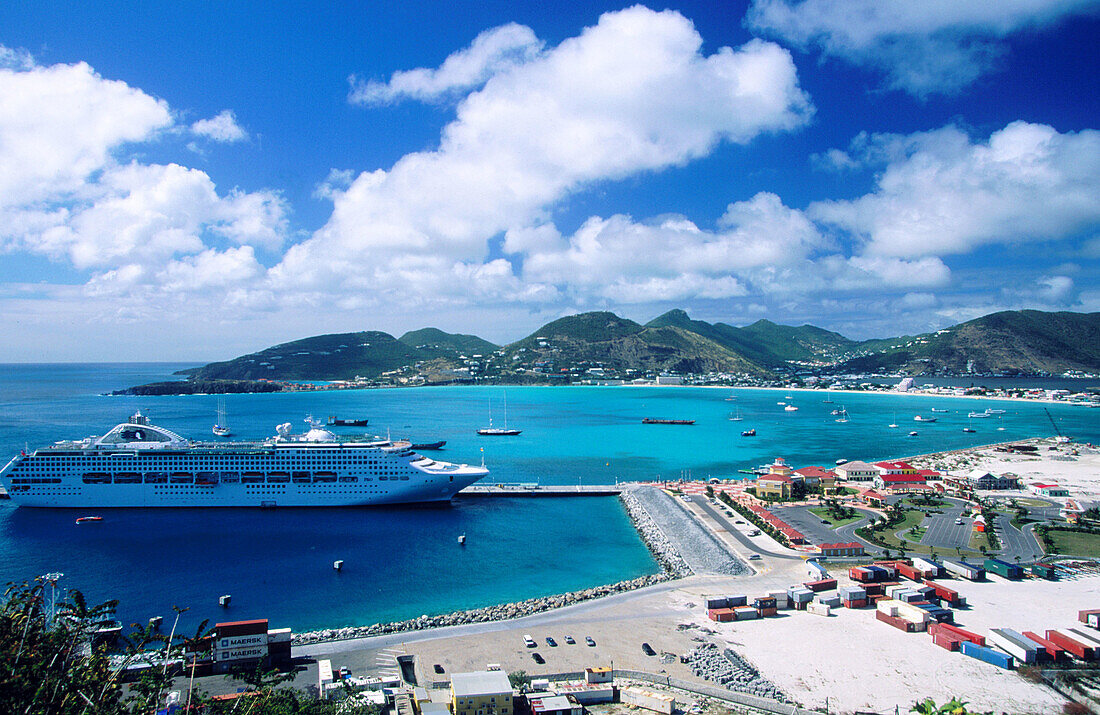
x=895, y=468
x=898, y=482
x=850, y=549
x=814, y=476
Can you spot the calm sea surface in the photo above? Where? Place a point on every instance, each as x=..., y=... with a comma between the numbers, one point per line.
x=404, y=562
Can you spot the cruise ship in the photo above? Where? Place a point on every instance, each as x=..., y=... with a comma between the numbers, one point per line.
x=138, y=464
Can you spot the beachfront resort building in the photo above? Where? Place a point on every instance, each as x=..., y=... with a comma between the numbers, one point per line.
x=482, y=693
x=777, y=482
x=816, y=476
x=981, y=479
x=857, y=471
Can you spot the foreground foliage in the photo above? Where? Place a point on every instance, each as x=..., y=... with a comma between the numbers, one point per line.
x=48, y=665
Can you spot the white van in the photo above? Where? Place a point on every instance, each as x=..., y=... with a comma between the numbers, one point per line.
x=529, y=641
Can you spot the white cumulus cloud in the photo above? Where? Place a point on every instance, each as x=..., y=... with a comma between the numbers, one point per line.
x=222, y=127
x=633, y=93
x=491, y=52
x=927, y=47
x=944, y=194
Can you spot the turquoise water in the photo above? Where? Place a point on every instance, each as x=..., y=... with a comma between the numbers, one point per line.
x=404, y=562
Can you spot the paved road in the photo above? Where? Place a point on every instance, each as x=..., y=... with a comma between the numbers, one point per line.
x=847, y=533
x=1016, y=543
x=748, y=541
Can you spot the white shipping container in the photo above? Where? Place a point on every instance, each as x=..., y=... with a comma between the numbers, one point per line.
x=278, y=635
x=1013, y=643
x=254, y=639
x=657, y=702
x=249, y=653
x=926, y=565
x=819, y=609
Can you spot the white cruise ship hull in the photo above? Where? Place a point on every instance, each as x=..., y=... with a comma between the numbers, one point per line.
x=140, y=465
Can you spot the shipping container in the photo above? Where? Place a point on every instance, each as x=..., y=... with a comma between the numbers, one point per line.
x=1015, y=644
x=910, y=572
x=1043, y=571
x=764, y=612
x=816, y=570
x=988, y=655
x=279, y=635
x=720, y=615
x=852, y=592
x=716, y=602
x=819, y=609
x=958, y=632
x=833, y=601
x=231, y=629
x=948, y=595
x=1090, y=617
x=1003, y=568
x=824, y=585
x=946, y=640
x=1054, y=651
x=856, y=603
x=1086, y=636
x=641, y=698
x=1071, y=645
x=256, y=639
x=931, y=568
x=746, y=613
x=899, y=623
x=735, y=601
x=964, y=570
x=763, y=602
x=861, y=574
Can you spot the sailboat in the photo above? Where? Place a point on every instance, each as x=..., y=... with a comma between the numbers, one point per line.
x=491, y=431
x=843, y=418
x=736, y=417
x=221, y=428
x=894, y=424
x=969, y=427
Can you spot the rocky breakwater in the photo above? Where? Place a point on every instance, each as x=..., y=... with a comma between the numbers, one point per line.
x=655, y=540
x=502, y=612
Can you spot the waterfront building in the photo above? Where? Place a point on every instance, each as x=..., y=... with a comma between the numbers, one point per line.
x=895, y=468
x=980, y=479
x=483, y=693
x=774, y=485
x=816, y=476
x=900, y=482
x=857, y=471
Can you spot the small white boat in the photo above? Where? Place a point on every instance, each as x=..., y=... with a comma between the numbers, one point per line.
x=790, y=408
x=913, y=433
x=994, y=412
x=894, y=424
x=975, y=415
x=922, y=418
x=780, y=403
x=462, y=539
x=736, y=417
x=843, y=415
x=938, y=410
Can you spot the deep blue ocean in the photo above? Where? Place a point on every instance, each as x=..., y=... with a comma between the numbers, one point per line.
x=404, y=562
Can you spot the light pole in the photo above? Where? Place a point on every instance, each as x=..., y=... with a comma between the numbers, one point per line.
x=53, y=577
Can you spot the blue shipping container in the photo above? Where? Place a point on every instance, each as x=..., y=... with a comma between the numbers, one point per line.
x=988, y=655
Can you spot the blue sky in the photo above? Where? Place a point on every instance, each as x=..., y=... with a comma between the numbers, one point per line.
x=193, y=181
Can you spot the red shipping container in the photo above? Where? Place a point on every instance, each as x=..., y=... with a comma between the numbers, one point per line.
x=1078, y=649
x=767, y=611
x=822, y=585
x=1083, y=616
x=858, y=603
x=909, y=572
x=862, y=575
x=946, y=641
x=232, y=629
x=1053, y=650
x=899, y=623
x=964, y=634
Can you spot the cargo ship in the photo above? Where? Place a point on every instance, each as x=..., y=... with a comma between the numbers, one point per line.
x=652, y=421
x=138, y=464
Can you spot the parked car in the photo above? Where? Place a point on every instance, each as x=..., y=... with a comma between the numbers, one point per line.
x=589, y=641
x=438, y=668
x=551, y=642
x=648, y=649
x=529, y=641
x=754, y=557
x=570, y=641
x=538, y=658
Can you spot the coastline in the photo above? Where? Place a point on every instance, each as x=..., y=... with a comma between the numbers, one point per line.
x=671, y=563
x=916, y=393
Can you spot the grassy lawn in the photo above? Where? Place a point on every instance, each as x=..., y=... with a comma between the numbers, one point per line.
x=1075, y=544
x=911, y=501
x=824, y=514
x=1031, y=502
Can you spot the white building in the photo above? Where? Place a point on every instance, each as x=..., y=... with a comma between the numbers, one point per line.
x=857, y=471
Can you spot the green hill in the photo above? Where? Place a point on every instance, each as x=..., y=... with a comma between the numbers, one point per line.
x=434, y=340
x=339, y=356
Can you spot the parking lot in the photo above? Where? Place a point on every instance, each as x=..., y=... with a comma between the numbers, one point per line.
x=942, y=531
x=808, y=523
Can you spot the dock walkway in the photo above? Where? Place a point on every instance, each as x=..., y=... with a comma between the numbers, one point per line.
x=536, y=490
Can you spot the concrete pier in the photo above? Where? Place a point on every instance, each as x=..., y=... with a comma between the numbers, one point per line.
x=536, y=490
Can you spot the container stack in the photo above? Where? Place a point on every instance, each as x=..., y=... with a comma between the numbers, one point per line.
x=827, y=584
x=1090, y=618
x=800, y=597
x=782, y=601
x=853, y=597
x=948, y=636
x=721, y=615
x=938, y=614
x=946, y=595
x=746, y=613
x=831, y=600
x=928, y=567
x=901, y=615
x=765, y=606
x=1054, y=651
x=244, y=644
x=964, y=570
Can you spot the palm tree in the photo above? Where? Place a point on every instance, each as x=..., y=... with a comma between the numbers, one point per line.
x=192, y=645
